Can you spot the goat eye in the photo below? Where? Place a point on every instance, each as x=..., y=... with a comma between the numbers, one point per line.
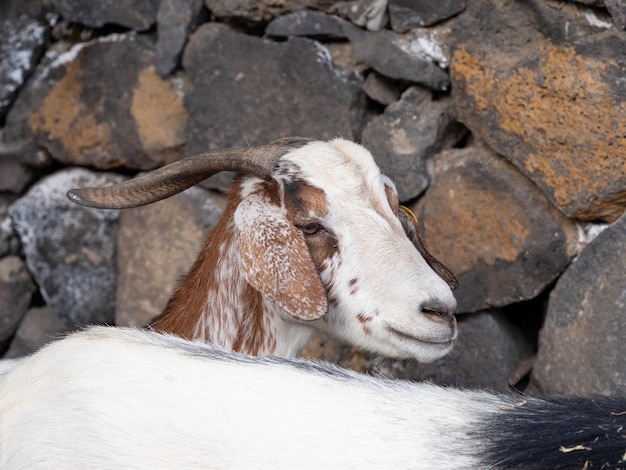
x=311, y=228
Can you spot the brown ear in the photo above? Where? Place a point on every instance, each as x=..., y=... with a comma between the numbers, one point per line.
x=409, y=223
x=276, y=260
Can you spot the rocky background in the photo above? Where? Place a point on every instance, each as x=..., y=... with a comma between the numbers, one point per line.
x=502, y=122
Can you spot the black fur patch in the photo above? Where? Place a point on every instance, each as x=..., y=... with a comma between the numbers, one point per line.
x=566, y=433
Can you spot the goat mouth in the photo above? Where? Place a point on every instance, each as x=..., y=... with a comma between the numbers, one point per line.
x=443, y=342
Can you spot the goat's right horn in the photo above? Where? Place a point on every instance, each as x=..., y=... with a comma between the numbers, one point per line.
x=182, y=174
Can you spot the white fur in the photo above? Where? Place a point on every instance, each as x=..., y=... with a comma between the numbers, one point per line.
x=112, y=398
x=121, y=398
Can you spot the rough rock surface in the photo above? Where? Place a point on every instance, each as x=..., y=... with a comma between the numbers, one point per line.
x=176, y=19
x=581, y=346
x=9, y=242
x=307, y=23
x=302, y=78
x=70, y=250
x=120, y=115
x=553, y=101
x=408, y=14
x=39, y=326
x=382, y=89
x=370, y=14
x=396, y=56
x=230, y=71
x=20, y=49
x=255, y=11
x=16, y=290
x=157, y=244
x=134, y=14
x=493, y=228
x=407, y=135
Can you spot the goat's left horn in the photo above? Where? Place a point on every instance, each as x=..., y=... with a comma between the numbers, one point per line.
x=182, y=174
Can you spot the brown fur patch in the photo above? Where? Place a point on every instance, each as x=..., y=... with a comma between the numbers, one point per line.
x=352, y=284
x=306, y=203
x=363, y=318
x=186, y=307
x=251, y=338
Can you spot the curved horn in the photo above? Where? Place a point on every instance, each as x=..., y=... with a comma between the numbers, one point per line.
x=178, y=176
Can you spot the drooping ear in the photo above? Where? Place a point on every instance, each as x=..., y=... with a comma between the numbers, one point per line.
x=276, y=260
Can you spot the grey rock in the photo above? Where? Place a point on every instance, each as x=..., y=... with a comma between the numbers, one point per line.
x=14, y=175
x=262, y=11
x=371, y=14
x=617, y=9
x=593, y=3
x=157, y=244
x=20, y=49
x=139, y=15
x=395, y=57
x=9, y=242
x=70, y=250
x=36, y=9
x=405, y=138
x=176, y=19
x=382, y=89
x=494, y=229
x=550, y=98
x=307, y=23
x=408, y=14
x=38, y=327
x=581, y=345
x=16, y=290
x=121, y=114
x=258, y=90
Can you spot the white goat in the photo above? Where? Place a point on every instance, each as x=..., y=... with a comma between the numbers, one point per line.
x=313, y=238
x=132, y=399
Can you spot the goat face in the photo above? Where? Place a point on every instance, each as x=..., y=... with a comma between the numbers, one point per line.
x=324, y=240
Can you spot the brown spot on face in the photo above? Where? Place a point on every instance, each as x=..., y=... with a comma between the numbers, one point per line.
x=353, y=287
x=363, y=318
x=333, y=301
x=306, y=203
x=303, y=199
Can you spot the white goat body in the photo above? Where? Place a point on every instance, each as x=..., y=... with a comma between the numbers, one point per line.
x=125, y=398
x=319, y=245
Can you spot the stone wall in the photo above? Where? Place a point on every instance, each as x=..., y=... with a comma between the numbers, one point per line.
x=502, y=123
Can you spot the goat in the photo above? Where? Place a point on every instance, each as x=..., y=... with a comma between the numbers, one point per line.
x=313, y=238
x=112, y=397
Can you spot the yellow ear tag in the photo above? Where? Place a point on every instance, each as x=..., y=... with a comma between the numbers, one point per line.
x=409, y=211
